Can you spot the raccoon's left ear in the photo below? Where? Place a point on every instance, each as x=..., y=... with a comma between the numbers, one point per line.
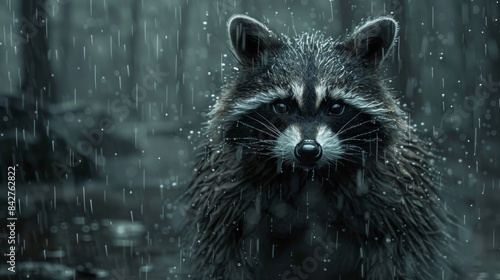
x=251, y=42
x=374, y=41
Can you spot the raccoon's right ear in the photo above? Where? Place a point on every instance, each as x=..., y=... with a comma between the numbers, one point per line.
x=374, y=41
x=251, y=42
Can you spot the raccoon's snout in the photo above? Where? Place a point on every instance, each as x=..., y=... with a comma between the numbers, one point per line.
x=308, y=151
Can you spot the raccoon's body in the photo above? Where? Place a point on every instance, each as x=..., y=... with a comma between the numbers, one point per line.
x=308, y=169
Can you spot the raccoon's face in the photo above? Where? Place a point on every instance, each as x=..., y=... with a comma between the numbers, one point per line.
x=310, y=102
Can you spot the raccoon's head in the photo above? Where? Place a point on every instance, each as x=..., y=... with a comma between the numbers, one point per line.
x=309, y=102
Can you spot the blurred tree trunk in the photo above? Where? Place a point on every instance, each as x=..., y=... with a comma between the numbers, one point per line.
x=346, y=15
x=37, y=69
x=134, y=57
x=66, y=46
x=406, y=80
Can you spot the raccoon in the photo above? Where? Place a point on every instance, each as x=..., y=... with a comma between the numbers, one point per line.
x=308, y=169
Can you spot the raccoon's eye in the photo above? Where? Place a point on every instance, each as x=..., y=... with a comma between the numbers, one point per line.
x=280, y=108
x=336, y=109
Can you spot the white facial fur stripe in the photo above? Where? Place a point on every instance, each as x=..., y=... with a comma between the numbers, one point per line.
x=356, y=100
x=286, y=142
x=298, y=93
x=330, y=144
x=320, y=94
x=243, y=106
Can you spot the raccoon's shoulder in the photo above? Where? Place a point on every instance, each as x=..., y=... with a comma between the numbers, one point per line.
x=411, y=164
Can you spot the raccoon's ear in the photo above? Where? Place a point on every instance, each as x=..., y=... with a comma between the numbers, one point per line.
x=251, y=42
x=373, y=41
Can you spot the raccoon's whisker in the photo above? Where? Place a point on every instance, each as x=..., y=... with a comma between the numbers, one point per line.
x=355, y=154
x=271, y=129
x=258, y=129
x=356, y=151
x=351, y=146
x=252, y=146
x=353, y=126
x=349, y=160
x=268, y=155
x=354, y=148
x=339, y=160
x=255, y=146
x=255, y=143
x=262, y=154
x=270, y=123
x=335, y=161
x=364, y=140
x=251, y=138
x=271, y=126
x=361, y=134
x=259, y=151
x=340, y=130
x=282, y=154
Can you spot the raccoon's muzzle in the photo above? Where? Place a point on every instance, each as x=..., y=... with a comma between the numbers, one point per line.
x=308, y=151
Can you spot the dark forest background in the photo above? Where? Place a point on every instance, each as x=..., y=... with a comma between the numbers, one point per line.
x=102, y=100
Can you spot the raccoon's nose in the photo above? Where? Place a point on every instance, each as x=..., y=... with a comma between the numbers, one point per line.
x=308, y=151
